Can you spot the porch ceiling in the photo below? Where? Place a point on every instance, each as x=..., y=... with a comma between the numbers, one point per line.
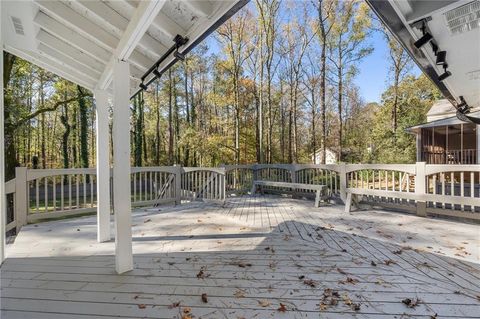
x=455, y=27
x=79, y=39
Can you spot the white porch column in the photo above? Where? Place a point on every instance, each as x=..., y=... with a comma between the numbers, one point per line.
x=103, y=167
x=477, y=129
x=121, y=167
x=3, y=212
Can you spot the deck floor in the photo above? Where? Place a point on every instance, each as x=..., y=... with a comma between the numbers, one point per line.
x=255, y=257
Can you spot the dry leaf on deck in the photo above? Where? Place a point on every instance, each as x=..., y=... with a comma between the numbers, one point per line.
x=239, y=294
x=282, y=308
x=411, y=303
x=204, y=298
x=310, y=282
x=174, y=305
x=264, y=303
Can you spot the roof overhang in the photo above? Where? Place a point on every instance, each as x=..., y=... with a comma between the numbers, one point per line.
x=80, y=39
x=443, y=122
x=462, y=45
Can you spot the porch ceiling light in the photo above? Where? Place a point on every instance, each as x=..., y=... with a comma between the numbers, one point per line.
x=179, y=55
x=441, y=58
x=426, y=37
x=157, y=73
x=445, y=74
x=463, y=107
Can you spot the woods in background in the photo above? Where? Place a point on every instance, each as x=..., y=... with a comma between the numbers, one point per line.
x=275, y=84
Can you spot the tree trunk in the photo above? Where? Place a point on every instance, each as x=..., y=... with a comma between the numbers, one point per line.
x=82, y=108
x=340, y=110
x=66, y=134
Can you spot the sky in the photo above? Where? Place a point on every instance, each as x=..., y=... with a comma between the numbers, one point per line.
x=373, y=78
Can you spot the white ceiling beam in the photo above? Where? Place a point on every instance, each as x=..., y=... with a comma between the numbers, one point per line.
x=68, y=62
x=138, y=25
x=113, y=18
x=167, y=25
x=52, y=66
x=79, y=23
x=68, y=50
x=72, y=37
x=201, y=8
x=110, y=16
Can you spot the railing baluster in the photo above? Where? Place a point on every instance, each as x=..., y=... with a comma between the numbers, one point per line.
x=84, y=178
x=69, y=192
x=37, y=195
x=77, y=190
x=45, y=198
x=54, y=189
x=462, y=188
x=62, y=197
x=472, y=190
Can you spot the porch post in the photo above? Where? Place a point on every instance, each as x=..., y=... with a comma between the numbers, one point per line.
x=121, y=167
x=103, y=166
x=3, y=198
x=478, y=143
x=420, y=187
x=419, y=146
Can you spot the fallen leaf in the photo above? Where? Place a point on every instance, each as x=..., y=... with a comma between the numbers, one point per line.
x=282, y=308
x=174, y=305
x=411, y=303
x=241, y=264
x=374, y=264
x=239, y=293
x=341, y=271
x=349, y=280
x=310, y=282
x=147, y=220
x=356, y=306
x=201, y=274
x=204, y=298
x=388, y=262
x=142, y=306
x=264, y=303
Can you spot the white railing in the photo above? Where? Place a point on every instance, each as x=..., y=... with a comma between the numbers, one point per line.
x=206, y=184
x=452, y=190
x=240, y=177
x=414, y=187
x=56, y=193
x=465, y=156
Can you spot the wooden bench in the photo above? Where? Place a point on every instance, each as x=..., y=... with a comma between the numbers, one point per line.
x=420, y=199
x=320, y=190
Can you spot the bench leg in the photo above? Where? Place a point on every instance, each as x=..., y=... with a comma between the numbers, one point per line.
x=348, y=203
x=254, y=190
x=317, y=199
x=352, y=199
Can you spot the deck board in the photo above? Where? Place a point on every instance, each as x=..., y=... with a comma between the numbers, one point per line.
x=255, y=252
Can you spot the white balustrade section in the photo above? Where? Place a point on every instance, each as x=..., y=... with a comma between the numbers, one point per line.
x=451, y=190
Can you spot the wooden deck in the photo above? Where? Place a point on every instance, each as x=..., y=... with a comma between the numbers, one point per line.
x=256, y=257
